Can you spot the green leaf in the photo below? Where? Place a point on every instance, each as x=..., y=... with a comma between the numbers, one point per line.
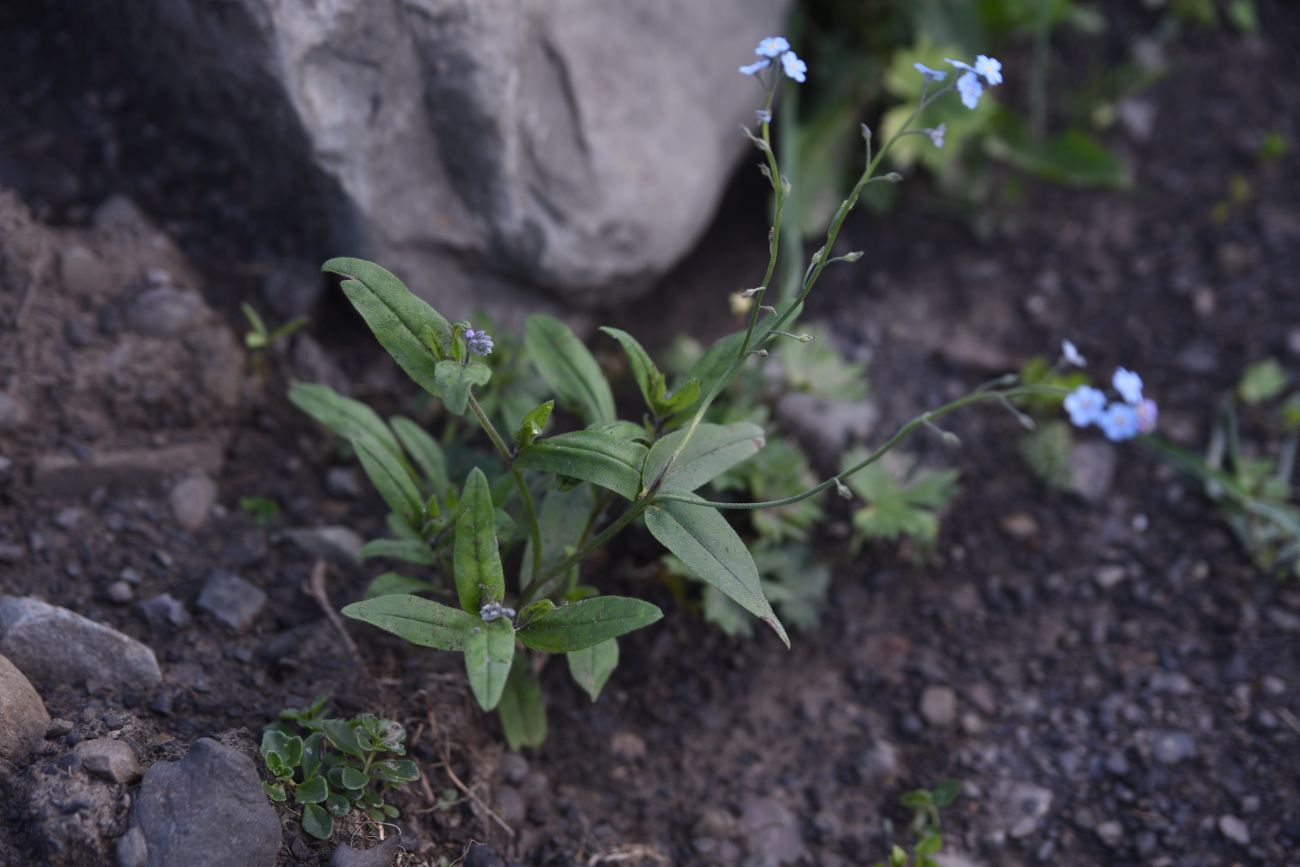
x=424, y=450
x=946, y=792
x=456, y=379
x=396, y=771
x=647, y=375
x=419, y=621
x=393, y=583
x=312, y=754
x=592, y=666
x=1073, y=158
x=338, y=806
x=351, y=778
x=340, y=734
x=930, y=844
x=313, y=791
x=392, y=479
x=598, y=458
x=533, y=611
x=489, y=649
x=275, y=791
x=712, y=450
x=820, y=369
x=561, y=517
x=1047, y=453
x=533, y=424
x=403, y=324
x=568, y=368
x=523, y=716
x=344, y=416
x=475, y=554
x=317, y=822
x=407, y=550
x=1262, y=381
x=584, y=624
x=285, y=747
x=713, y=365
x=906, y=505
x=713, y=552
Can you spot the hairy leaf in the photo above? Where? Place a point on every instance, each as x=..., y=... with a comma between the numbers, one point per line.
x=391, y=478
x=592, y=667
x=489, y=649
x=569, y=368
x=523, y=716
x=593, y=457
x=424, y=450
x=710, y=452
x=419, y=621
x=344, y=416
x=580, y=625
x=475, y=554
x=456, y=379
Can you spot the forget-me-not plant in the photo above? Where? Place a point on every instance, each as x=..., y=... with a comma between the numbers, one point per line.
x=1119, y=420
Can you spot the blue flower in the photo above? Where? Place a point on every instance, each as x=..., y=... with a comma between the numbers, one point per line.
x=1147, y=416
x=794, y=67
x=1129, y=386
x=959, y=64
x=772, y=46
x=763, y=115
x=1085, y=405
x=930, y=74
x=755, y=67
x=1070, y=353
x=989, y=68
x=1119, y=422
x=970, y=89
x=478, y=342
x=936, y=134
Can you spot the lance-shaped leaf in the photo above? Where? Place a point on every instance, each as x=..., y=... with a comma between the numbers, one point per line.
x=568, y=368
x=593, y=457
x=534, y=422
x=419, y=621
x=646, y=373
x=408, y=550
x=402, y=323
x=584, y=624
x=592, y=667
x=475, y=555
x=344, y=416
x=713, y=366
x=391, y=478
x=489, y=649
x=714, y=553
x=456, y=379
x=424, y=450
x=714, y=449
x=523, y=716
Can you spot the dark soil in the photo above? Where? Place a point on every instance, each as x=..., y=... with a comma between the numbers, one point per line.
x=1125, y=680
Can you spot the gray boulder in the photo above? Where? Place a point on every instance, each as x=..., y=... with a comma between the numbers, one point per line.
x=54, y=645
x=484, y=149
x=23, y=718
x=206, y=810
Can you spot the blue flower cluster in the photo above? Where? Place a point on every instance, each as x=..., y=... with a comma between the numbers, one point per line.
x=495, y=611
x=777, y=48
x=478, y=342
x=986, y=71
x=1119, y=420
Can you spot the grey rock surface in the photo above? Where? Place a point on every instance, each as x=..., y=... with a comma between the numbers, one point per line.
x=376, y=856
x=206, y=810
x=23, y=718
x=478, y=148
x=54, y=645
x=335, y=544
x=231, y=599
x=109, y=759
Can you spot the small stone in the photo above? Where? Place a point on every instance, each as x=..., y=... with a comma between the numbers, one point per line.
x=110, y=759
x=164, y=311
x=939, y=706
x=879, y=762
x=382, y=855
x=292, y=289
x=771, y=831
x=1235, y=830
x=1023, y=807
x=13, y=412
x=1091, y=465
x=58, y=728
x=1111, y=576
x=1171, y=747
x=510, y=805
x=117, y=212
x=336, y=544
x=343, y=482
x=82, y=273
x=119, y=592
x=231, y=599
x=481, y=856
x=1137, y=116
x=628, y=746
x=24, y=721
x=1110, y=833
x=513, y=768
x=55, y=645
x=192, y=499
x=164, y=613
x=69, y=518
x=1020, y=525
x=1172, y=682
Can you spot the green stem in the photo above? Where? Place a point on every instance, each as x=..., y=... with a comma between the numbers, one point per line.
x=554, y=576
x=530, y=511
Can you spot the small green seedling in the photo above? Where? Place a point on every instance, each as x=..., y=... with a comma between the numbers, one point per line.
x=925, y=826
x=338, y=766
x=259, y=336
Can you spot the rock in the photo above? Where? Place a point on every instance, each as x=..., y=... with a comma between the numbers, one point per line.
x=1235, y=830
x=71, y=817
x=1110, y=833
x=879, y=762
x=479, y=855
x=58, y=473
x=343, y=482
x=510, y=805
x=13, y=412
x=771, y=831
x=23, y=718
x=1110, y=576
x=117, y=213
x=513, y=768
x=1022, y=807
x=939, y=706
x=828, y=426
x=504, y=145
x=206, y=810
x=120, y=592
x=1171, y=747
x=192, y=499
x=292, y=289
x=1091, y=464
x=55, y=645
x=164, y=613
x=83, y=273
x=110, y=759
x=628, y=746
x=164, y=311
x=382, y=855
x=338, y=545
x=231, y=599
x=1138, y=117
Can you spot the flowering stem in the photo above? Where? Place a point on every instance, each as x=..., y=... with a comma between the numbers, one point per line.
x=530, y=511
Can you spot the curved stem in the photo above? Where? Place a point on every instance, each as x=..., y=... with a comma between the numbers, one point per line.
x=530, y=510
x=554, y=577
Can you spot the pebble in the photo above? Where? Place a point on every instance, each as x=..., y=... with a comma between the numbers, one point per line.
x=1091, y=465
x=343, y=482
x=1171, y=747
x=628, y=746
x=1235, y=830
x=163, y=311
x=120, y=592
x=231, y=599
x=192, y=499
x=83, y=274
x=335, y=544
x=510, y=805
x=879, y=762
x=226, y=821
x=382, y=855
x=110, y=759
x=479, y=855
x=164, y=613
x=1023, y=806
x=13, y=412
x=1110, y=576
x=55, y=645
x=513, y=768
x=939, y=706
x=771, y=831
x=24, y=721
x=1110, y=833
